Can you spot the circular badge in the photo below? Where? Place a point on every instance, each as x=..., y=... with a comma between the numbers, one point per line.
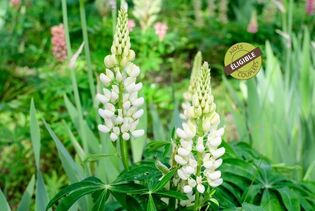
x=242, y=61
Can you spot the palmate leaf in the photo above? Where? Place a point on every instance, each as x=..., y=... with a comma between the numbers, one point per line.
x=289, y=199
x=74, y=192
x=151, y=205
x=101, y=201
x=143, y=171
x=270, y=201
x=172, y=194
x=165, y=179
x=128, y=202
x=130, y=188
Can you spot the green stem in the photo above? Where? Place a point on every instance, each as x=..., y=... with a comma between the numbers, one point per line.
x=66, y=27
x=197, y=196
x=124, y=153
x=87, y=49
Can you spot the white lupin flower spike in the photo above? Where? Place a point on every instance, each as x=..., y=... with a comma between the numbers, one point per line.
x=197, y=153
x=120, y=101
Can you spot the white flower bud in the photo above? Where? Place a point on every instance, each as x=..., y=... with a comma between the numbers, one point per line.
x=109, y=74
x=126, y=136
x=188, y=170
x=180, y=160
x=126, y=105
x=105, y=79
x=192, y=182
x=214, y=175
x=220, y=132
x=116, y=130
x=218, y=153
x=133, y=96
x=119, y=76
x=181, y=133
x=200, y=147
x=215, y=142
x=103, y=128
x=102, y=98
x=216, y=183
x=206, y=125
x=138, y=114
x=114, y=96
x=108, y=123
x=182, y=175
x=218, y=163
x=107, y=93
x=187, y=189
x=129, y=81
x=105, y=113
x=133, y=70
x=189, y=129
x=200, y=188
x=183, y=152
x=138, y=102
x=131, y=55
x=137, y=133
x=138, y=87
x=110, y=61
x=131, y=87
x=113, y=137
x=125, y=127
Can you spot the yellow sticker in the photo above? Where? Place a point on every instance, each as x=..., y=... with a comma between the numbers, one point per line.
x=242, y=61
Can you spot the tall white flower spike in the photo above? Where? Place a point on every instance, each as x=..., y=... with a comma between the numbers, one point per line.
x=198, y=153
x=121, y=103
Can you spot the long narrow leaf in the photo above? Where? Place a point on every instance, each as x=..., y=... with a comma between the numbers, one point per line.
x=26, y=200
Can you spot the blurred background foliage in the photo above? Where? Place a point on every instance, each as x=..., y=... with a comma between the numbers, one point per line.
x=273, y=112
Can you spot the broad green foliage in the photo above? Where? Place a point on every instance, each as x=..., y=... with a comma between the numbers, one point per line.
x=274, y=109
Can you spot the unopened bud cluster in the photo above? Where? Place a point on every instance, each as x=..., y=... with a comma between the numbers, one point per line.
x=198, y=152
x=121, y=103
x=58, y=41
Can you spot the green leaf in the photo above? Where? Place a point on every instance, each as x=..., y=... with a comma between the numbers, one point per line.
x=270, y=201
x=35, y=134
x=4, y=206
x=90, y=183
x=151, y=205
x=128, y=202
x=73, y=171
x=131, y=188
x=251, y=207
x=96, y=157
x=140, y=171
x=158, y=130
x=25, y=202
x=101, y=201
x=172, y=194
x=41, y=199
x=156, y=145
x=289, y=199
x=165, y=179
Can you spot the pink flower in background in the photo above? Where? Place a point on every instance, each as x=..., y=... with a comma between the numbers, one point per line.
x=131, y=24
x=58, y=42
x=15, y=3
x=160, y=30
x=253, y=25
x=310, y=6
